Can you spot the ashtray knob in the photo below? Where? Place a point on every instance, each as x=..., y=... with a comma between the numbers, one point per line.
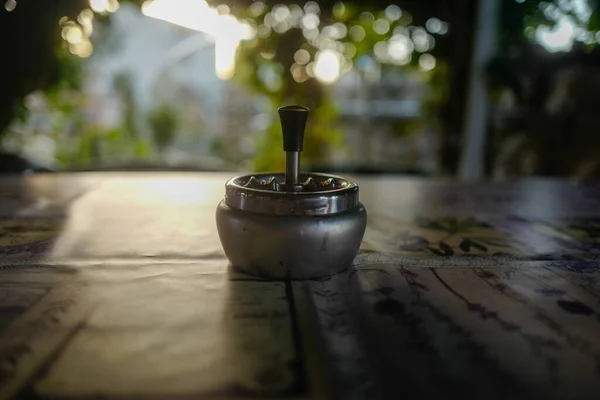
x=293, y=122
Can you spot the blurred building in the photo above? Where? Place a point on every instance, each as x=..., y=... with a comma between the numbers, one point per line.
x=378, y=115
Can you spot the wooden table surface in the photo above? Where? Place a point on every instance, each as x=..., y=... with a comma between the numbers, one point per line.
x=114, y=285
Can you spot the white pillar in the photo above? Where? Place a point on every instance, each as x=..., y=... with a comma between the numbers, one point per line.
x=478, y=107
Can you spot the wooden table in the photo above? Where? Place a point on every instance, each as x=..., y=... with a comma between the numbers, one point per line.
x=114, y=285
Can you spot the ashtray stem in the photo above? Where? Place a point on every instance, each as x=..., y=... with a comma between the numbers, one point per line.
x=292, y=167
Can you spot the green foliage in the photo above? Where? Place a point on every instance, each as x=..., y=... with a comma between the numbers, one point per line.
x=124, y=87
x=265, y=66
x=323, y=133
x=79, y=143
x=55, y=70
x=96, y=146
x=31, y=53
x=529, y=139
x=163, y=125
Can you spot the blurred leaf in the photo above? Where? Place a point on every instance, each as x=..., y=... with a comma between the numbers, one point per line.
x=446, y=248
x=142, y=148
x=163, y=124
x=466, y=244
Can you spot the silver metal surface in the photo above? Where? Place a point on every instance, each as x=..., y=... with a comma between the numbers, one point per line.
x=320, y=195
x=292, y=167
x=289, y=246
x=291, y=225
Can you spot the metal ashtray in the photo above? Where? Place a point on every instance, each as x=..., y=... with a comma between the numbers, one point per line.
x=291, y=225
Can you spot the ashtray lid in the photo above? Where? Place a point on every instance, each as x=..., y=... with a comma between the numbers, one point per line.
x=292, y=192
x=316, y=194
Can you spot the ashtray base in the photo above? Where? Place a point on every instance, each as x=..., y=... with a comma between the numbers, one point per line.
x=290, y=246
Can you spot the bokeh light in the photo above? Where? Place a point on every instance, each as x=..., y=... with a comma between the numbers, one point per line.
x=302, y=57
x=381, y=26
x=257, y=8
x=312, y=8
x=299, y=73
x=349, y=50
x=559, y=38
x=225, y=51
x=227, y=31
x=393, y=12
x=433, y=25
x=281, y=27
x=339, y=30
x=103, y=6
x=357, y=33
x=333, y=57
x=77, y=33
x=366, y=18
x=443, y=28
x=10, y=5
x=381, y=51
x=310, y=69
x=280, y=12
x=263, y=31
x=310, y=21
x=83, y=49
x=310, y=34
x=296, y=14
x=339, y=9
x=400, y=49
x=223, y=9
x=427, y=62
x=327, y=66
x=420, y=39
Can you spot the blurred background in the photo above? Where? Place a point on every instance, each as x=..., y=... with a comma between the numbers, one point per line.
x=472, y=89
